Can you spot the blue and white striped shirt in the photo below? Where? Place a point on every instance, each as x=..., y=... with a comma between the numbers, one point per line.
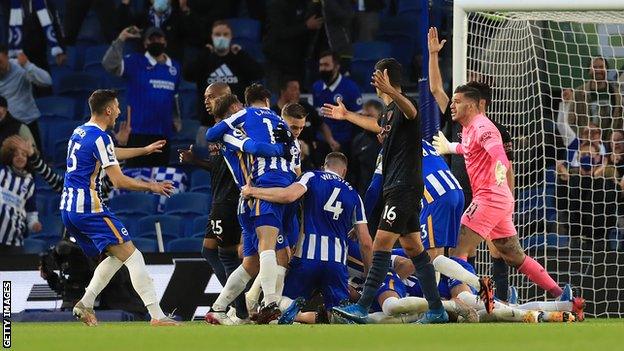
x=17, y=203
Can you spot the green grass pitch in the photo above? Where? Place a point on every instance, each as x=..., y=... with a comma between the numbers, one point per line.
x=593, y=335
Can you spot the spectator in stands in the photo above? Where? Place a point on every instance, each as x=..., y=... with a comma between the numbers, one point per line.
x=598, y=101
x=76, y=12
x=614, y=162
x=365, y=148
x=181, y=26
x=10, y=126
x=366, y=22
x=290, y=93
x=34, y=26
x=290, y=25
x=223, y=62
x=16, y=79
x=338, y=18
x=331, y=87
x=18, y=213
x=153, y=80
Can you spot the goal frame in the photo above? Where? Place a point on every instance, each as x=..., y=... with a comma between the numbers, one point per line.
x=462, y=7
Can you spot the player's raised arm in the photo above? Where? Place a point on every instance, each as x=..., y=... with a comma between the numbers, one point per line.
x=381, y=81
x=121, y=181
x=124, y=153
x=435, y=77
x=340, y=112
x=277, y=195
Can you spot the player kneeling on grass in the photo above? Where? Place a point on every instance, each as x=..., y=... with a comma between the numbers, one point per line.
x=94, y=227
x=331, y=208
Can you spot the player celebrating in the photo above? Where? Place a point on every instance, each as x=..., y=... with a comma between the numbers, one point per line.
x=490, y=215
x=331, y=207
x=402, y=190
x=90, y=150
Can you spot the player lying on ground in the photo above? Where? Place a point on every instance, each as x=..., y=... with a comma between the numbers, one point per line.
x=490, y=215
x=90, y=150
x=331, y=209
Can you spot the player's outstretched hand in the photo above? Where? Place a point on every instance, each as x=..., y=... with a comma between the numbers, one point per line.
x=162, y=188
x=338, y=111
x=155, y=147
x=381, y=81
x=434, y=43
x=500, y=172
x=441, y=144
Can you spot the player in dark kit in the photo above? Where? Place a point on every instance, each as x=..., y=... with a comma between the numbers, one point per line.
x=399, y=128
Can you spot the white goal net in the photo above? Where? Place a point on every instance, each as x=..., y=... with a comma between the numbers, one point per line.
x=557, y=80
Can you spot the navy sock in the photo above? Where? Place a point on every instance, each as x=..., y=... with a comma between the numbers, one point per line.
x=426, y=277
x=212, y=256
x=230, y=261
x=376, y=275
x=500, y=275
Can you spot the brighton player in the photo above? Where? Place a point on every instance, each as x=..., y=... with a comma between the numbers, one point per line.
x=490, y=215
x=90, y=150
x=332, y=208
x=399, y=127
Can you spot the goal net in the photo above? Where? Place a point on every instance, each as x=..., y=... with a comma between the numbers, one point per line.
x=557, y=79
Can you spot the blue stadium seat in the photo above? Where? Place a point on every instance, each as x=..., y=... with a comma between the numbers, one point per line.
x=361, y=73
x=533, y=242
x=90, y=33
x=133, y=203
x=171, y=225
x=245, y=28
x=615, y=239
x=53, y=131
x=75, y=57
x=188, y=104
x=409, y=7
x=35, y=246
x=188, y=205
x=94, y=55
x=556, y=241
x=371, y=50
x=52, y=205
x=199, y=225
x=185, y=245
x=201, y=234
x=152, y=236
x=77, y=82
x=398, y=25
x=56, y=106
x=51, y=226
x=188, y=132
x=59, y=158
x=403, y=47
x=145, y=245
x=200, y=177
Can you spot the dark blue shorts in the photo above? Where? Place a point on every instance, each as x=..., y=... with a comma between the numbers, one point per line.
x=441, y=219
x=94, y=232
x=306, y=276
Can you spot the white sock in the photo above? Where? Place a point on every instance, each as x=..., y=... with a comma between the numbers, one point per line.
x=455, y=270
x=284, y=303
x=281, y=275
x=252, y=296
x=234, y=286
x=143, y=284
x=449, y=305
x=393, y=306
x=473, y=301
x=268, y=275
x=382, y=318
x=510, y=314
x=552, y=306
x=102, y=275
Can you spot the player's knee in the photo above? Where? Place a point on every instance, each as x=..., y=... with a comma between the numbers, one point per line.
x=510, y=251
x=384, y=241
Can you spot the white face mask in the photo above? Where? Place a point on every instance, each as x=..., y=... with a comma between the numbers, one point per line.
x=161, y=5
x=221, y=43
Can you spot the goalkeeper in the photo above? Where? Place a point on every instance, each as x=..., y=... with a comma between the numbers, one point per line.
x=490, y=215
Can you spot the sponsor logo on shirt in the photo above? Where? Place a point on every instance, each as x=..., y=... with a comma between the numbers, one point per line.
x=223, y=74
x=162, y=84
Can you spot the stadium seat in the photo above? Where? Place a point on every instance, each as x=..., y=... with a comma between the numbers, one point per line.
x=34, y=246
x=615, y=239
x=94, y=55
x=188, y=104
x=185, y=245
x=75, y=57
x=556, y=241
x=199, y=225
x=409, y=7
x=59, y=158
x=56, y=106
x=188, y=132
x=200, y=177
x=51, y=226
x=188, y=205
x=403, y=48
x=398, y=25
x=90, y=33
x=53, y=131
x=171, y=225
x=133, y=203
x=361, y=73
x=245, y=28
x=52, y=205
x=371, y=50
x=152, y=236
x=145, y=245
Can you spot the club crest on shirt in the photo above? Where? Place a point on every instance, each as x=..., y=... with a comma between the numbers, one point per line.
x=173, y=71
x=337, y=96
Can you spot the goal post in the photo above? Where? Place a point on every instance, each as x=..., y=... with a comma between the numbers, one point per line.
x=533, y=53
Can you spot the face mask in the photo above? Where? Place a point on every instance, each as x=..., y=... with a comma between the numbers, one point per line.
x=326, y=76
x=221, y=43
x=161, y=5
x=155, y=49
x=586, y=163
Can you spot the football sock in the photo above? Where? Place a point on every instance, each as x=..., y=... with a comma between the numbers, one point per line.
x=426, y=277
x=538, y=275
x=253, y=295
x=143, y=284
x=454, y=270
x=500, y=275
x=102, y=275
x=376, y=274
x=268, y=275
x=236, y=284
x=473, y=301
x=212, y=256
x=552, y=306
x=230, y=261
x=411, y=304
x=281, y=275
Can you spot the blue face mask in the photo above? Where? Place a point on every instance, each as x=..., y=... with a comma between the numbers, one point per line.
x=586, y=163
x=221, y=43
x=161, y=5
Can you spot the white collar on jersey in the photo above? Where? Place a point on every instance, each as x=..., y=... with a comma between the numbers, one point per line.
x=334, y=173
x=334, y=85
x=152, y=60
x=93, y=125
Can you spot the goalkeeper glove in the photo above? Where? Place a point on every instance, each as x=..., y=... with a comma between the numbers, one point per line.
x=442, y=145
x=500, y=173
